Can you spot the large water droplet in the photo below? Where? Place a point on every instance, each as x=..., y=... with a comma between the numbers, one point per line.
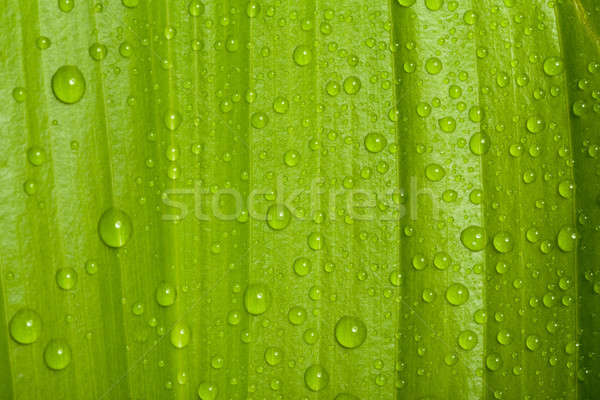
x=165, y=294
x=457, y=294
x=66, y=278
x=57, y=354
x=207, y=391
x=68, y=84
x=350, y=332
x=302, y=55
x=474, y=238
x=115, y=227
x=256, y=299
x=278, y=217
x=316, y=378
x=567, y=238
x=180, y=335
x=25, y=326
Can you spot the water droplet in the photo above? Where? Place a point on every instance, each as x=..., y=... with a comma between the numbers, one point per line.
x=302, y=55
x=291, y=158
x=553, y=66
x=350, y=332
x=435, y=172
x=536, y=124
x=256, y=299
x=130, y=3
x=567, y=238
x=447, y=124
x=180, y=335
x=25, y=326
x=66, y=278
x=504, y=337
x=253, y=9
x=493, y=362
x=297, y=315
x=503, y=242
x=566, y=189
x=474, y=238
x=375, y=142
x=36, y=155
x=532, y=342
x=66, y=5
x=196, y=8
x=406, y=3
x=172, y=120
x=57, y=354
x=273, y=356
x=315, y=241
x=457, y=294
x=43, y=42
x=207, y=391
x=434, y=5
x=278, y=217
x=165, y=294
x=316, y=378
x=259, y=120
x=302, y=266
x=98, y=51
x=433, y=65
x=479, y=143
x=467, y=340
x=281, y=105
x=115, y=227
x=352, y=85
x=68, y=84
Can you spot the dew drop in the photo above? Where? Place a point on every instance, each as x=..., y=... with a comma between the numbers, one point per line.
x=467, y=340
x=97, y=51
x=256, y=299
x=66, y=5
x=433, y=65
x=25, y=326
x=115, y=227
x=278, y=217
x=66, y=278
x=316, y=378
x=315, y=241
x=375, y=142
x=302, y=55
x=180, y=335
x=474, y=238
x=130, y=3
x=172, y=120
x=493, y=362
x=302, y=266
x=352, y=85
x=57, y=354
x=165, y=294
x=479, y=143
x=273, y=356
x=503, y=242
x=196, y=8
x=457, y=294
x=36, y=155
x=434, y=172
x=553, y=66
x=567, y=238
x=68, y=84
x=350, y=332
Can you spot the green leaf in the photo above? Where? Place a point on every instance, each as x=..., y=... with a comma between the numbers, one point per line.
x=265, y=199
